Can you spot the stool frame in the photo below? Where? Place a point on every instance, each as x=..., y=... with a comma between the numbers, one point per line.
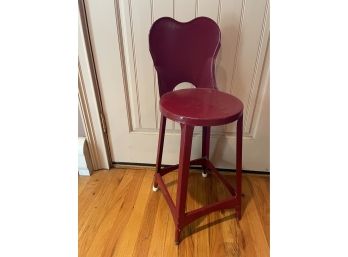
x=180, y=216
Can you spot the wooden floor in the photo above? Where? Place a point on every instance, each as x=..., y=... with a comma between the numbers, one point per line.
x=120, y=215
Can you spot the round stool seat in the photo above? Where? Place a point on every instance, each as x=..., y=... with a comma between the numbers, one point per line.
x=201, y=107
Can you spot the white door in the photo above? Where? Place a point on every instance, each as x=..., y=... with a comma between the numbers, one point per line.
x=127, y=79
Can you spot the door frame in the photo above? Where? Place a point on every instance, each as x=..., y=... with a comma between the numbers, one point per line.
x=90, y=103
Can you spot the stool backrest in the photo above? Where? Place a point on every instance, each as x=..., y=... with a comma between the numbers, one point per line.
x=184, y=52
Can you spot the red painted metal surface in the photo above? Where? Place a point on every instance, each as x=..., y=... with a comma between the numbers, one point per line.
x=160, y=146
x=195, y=214
x=215, y=172
x=239, y=167
x=165, y=170
x=186, y=52
x=183, y=173
x=205, y=148
x=205, y=142
x=201, y=107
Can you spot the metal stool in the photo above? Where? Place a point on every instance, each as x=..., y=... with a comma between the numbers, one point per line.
x=186, y=52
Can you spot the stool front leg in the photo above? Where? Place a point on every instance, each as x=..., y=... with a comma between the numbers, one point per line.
x=239, y=143
x=183, y=174
x=161, y=134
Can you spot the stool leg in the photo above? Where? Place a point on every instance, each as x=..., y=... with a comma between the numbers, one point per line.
x=184, y=167
x=239, y=166
x=177, y=235
x=205, y=147
x=162, y=131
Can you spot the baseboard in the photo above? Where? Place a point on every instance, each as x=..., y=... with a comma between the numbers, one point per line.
x=84, y=158
x=137, y=165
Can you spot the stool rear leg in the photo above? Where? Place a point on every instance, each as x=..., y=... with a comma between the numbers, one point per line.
x=205, y=148
x=161, y=134
x=239, y=166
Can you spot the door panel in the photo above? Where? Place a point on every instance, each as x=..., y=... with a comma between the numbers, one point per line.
x=128, y=83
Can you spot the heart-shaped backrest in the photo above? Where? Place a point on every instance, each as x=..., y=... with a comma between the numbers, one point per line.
x=184, y=52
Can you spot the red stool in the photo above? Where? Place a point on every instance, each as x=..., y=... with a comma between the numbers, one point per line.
x=186, y=52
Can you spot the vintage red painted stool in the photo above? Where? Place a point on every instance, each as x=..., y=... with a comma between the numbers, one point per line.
x=186, y=52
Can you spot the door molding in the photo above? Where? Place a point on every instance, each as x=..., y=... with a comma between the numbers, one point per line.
x=89, y=98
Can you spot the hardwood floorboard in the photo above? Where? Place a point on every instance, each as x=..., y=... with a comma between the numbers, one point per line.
x=200, y=197
x=260, y=192
x=128, y=238
x=120, y=215
x=91, y=213
x=227, y=229
x=170, y=248
x=159, y=232
x=83, y=181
